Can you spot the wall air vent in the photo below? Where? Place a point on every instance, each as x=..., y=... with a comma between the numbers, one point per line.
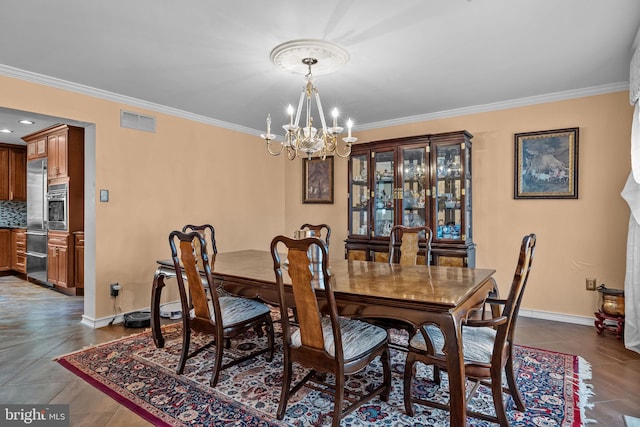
x=137, y=121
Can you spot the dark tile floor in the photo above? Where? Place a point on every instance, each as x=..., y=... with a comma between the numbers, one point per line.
x=38, y=324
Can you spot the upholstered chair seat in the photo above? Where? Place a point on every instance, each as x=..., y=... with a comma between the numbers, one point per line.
x=358, y=337
x=238, y=310
x=477, y=343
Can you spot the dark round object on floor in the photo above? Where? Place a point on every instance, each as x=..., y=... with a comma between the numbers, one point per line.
x=137, y=319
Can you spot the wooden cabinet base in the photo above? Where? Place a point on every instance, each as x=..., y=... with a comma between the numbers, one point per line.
x=76, y=292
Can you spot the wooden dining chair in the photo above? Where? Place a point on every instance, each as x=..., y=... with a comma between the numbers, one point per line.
x=222, y=317
x=209, y=233
x=323, y=231
x=407, y=246
x=487, y=345
x=410, y=245
x=323, y=343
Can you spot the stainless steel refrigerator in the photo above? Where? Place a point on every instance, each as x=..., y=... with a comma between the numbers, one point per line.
x=37, y=220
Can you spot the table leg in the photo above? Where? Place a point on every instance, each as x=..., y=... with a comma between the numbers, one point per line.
x=455, y=368
x=156, y=292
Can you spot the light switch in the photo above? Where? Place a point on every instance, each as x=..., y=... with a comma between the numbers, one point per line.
x=104, y=195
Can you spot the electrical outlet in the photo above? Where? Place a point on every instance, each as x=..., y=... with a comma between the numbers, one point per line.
x=114, y=289
x=591, y=284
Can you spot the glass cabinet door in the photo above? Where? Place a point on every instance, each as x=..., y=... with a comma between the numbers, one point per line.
x=412, y=181
x=467, y=231
x=359, y=195
x=414, y=186
x=448, y=197
x=384, y=193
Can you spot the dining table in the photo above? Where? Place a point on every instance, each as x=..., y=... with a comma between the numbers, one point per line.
x=416, y=294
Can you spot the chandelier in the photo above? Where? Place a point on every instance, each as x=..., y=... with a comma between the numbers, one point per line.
x=307, y=139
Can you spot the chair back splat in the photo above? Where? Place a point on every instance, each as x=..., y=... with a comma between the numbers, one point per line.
x=487, y=345
x=410, y=245
x=322, y=231
x=221, y=317
x=208, y=232
x=321, y=340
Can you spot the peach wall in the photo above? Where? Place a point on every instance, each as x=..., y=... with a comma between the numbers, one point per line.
x=185, y=172
x=152, y=176
x=576, y=238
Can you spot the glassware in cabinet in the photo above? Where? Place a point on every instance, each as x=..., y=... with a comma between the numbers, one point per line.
x=359, y=195
x=384, y=193
x=448, y=192
x=414, y=186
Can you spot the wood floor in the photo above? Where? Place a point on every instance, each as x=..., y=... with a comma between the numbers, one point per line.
x=38, y=324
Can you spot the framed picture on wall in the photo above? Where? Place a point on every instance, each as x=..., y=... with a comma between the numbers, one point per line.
x=317, y=180
x=546, y=164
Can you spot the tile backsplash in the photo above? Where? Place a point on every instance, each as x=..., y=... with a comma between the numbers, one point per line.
x=13, y=214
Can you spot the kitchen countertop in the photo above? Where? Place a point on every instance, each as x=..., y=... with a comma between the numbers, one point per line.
x=11, y=227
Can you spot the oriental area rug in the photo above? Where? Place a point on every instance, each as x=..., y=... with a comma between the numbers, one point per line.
x=142, y=377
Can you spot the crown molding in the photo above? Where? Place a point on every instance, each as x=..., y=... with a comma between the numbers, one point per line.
x=122, y=99
x=114, y=97
x=503, y=105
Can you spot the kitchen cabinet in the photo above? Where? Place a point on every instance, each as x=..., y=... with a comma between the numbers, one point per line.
x=413, y=181
x=5, y=249
x=13, y=173
x=65, y=165
x=64, y=151
x=78, y=238
x=58, y=161
x=59, y=261
x=37, y=148
x=18, y=250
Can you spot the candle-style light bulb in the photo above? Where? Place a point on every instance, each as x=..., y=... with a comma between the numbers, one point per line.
x=268, y=124
x=334, y=113
x=290, y=112
x=349, y=126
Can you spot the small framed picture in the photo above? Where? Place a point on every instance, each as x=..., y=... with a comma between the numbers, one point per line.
x=317, y=180
x=546, y=164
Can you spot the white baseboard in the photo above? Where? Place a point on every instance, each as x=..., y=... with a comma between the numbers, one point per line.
x=535, y=314
x=557, y=317
x=113, y=320
x=102, y=322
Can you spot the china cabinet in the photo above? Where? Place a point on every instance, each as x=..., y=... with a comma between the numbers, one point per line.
x=413, y=181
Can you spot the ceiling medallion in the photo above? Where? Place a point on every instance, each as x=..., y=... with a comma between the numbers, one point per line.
x=288, y=56
x=298, y=56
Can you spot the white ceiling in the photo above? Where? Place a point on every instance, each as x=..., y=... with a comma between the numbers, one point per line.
x=409, y=59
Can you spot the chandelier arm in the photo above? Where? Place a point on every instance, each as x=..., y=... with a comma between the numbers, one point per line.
x=308, y=119
x=296, y=138
x=324, y=124
x=274, y=153
x=291, y=153
x=347, y=151
x=329, y=141
x=297, y=122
